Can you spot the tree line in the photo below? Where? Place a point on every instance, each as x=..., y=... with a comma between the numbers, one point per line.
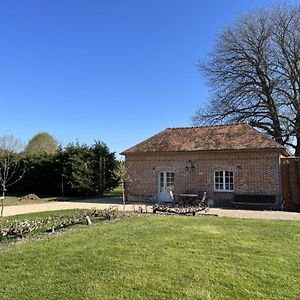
x=44, y=168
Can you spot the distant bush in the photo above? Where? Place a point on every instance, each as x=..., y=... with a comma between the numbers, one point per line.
x=41, y=144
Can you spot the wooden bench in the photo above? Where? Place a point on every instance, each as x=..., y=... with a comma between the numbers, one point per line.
x=254, y=200
x=191, y=198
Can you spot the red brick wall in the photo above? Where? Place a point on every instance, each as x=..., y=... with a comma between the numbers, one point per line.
x=290, y=174
x=254, y=172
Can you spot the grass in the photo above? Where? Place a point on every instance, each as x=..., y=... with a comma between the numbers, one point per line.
x=158, y=257
x=15, y=200
x=32, y=216
x=116, y=192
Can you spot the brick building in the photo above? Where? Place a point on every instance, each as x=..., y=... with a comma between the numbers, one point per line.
x=222, y=160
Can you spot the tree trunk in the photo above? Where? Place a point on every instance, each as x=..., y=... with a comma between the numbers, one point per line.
x=123, y=196
x=297, y=151
x=2, y=202
x=278, y=132
x=297, y=134
x=273, y=112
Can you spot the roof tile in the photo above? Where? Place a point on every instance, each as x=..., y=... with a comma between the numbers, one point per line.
x=207, y=138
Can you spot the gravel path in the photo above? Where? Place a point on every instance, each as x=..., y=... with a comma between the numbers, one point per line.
x=255, y=214
x=102, y=204
x=32, y=208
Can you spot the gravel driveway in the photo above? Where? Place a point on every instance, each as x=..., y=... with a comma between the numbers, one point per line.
x=61, y=205
x=116, y=203
x=255, y=214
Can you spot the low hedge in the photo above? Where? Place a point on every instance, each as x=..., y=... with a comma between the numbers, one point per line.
x=19, y=228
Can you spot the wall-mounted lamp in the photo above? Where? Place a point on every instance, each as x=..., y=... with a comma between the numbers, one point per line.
x=190, y=165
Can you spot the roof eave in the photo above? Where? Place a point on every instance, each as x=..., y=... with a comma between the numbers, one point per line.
x=281, y=150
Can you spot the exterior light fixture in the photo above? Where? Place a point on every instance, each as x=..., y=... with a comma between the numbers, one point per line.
x=190, y=165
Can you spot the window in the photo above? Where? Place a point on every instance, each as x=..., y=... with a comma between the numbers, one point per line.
x=223, y=181
x=170, y=181
x=167, y=180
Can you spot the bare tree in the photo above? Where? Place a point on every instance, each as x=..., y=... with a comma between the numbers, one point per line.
x=121, y=173
x=254, y=75
x=286, y=41
x=10, y=172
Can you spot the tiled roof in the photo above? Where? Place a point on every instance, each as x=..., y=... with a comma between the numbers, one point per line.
x=208, y=138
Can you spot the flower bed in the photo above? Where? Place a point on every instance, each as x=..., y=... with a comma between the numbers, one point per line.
x=16, y=228
x=179, y=209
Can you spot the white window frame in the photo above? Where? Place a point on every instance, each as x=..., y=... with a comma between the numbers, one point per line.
x=223, y=176
x=166, y=181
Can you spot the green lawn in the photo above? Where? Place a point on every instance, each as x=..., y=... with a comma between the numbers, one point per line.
x=158, y=257
x=116, y=192
x=15, y=200
x=32, y=216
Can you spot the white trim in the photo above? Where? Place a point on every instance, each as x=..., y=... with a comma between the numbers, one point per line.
x=223, y=176
x=164, y=196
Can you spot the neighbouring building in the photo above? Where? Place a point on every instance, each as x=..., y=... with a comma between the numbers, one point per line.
x=290, y=182
x=224, y=161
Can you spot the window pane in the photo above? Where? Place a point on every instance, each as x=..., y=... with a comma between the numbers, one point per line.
x=161, y=179
x=223, y=180
x=170, y=181
x=161, y=183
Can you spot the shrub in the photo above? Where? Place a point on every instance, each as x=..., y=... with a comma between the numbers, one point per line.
x=76, y=170
x=14, y=229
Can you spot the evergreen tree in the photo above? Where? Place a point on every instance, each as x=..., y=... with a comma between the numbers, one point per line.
x=77, y=170
x=104, y=164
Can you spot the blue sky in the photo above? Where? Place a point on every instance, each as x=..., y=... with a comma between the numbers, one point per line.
x=117, y=71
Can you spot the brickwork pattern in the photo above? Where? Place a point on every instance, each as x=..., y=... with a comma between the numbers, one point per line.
x=290, y=174
x=255, y=172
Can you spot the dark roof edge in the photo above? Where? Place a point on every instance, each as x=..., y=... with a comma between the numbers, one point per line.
x=281, y=150
x=206, y=126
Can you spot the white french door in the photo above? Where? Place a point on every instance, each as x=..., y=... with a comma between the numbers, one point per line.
x=166, y=182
